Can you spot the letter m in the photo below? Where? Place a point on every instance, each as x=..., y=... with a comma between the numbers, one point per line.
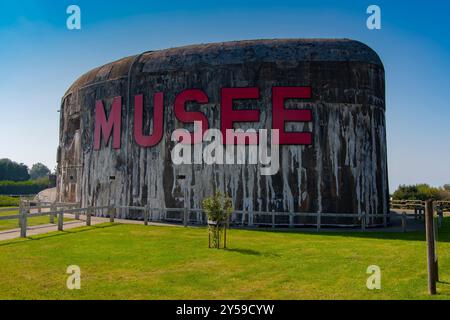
x=104, y=126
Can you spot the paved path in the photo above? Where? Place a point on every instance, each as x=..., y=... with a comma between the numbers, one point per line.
x=46, y=228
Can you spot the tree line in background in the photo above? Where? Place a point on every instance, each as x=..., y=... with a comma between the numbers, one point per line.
x=422, y=192
x=13, y=171
x=18, y=179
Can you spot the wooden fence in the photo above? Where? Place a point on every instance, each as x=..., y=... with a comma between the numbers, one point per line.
x=54, y=210
x=239, y=218
x=261, y=218
x=419, y=206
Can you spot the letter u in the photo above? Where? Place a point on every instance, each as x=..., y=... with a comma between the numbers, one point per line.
x=158, y=117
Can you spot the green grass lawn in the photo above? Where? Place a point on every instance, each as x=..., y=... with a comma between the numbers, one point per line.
x=14, y=223
x=120, y=261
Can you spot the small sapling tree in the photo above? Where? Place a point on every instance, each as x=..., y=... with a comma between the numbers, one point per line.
x=218, y=208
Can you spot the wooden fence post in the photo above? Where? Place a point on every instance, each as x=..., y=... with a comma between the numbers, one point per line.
x=319, y=221
x=430, y=248
x=52, y=215
x=23, y=221
x=185, y=216
x=363, y=222
x=20, y=213
x=273, y=218
x=112, y=213
x=199, y=217
x=146, y=214
x=440, y=214
x=77, y=213
x=60, y=220
x=88, y=216
x=403, y=221
x=436, y=239
x=291, y=220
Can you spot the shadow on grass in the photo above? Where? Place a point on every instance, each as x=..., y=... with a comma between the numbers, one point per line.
x=251, y=252
x=443, y=234
x=245, y=251
x=38, y=237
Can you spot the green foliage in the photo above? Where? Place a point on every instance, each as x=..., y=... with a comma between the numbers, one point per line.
x=9, y=201
x=421, y=192
x=23, y=187
x=39, y=170
x=13, y=171
x=218, y=208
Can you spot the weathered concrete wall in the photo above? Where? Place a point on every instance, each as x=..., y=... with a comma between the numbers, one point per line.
x=343, y=171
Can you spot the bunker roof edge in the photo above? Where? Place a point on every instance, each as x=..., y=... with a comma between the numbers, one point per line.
x=302, y=49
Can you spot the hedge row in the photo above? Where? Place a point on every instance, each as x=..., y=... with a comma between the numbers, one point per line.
x=9, y=201
x=23, y=187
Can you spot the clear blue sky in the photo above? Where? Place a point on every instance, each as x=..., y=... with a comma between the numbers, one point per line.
x=40, y=58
